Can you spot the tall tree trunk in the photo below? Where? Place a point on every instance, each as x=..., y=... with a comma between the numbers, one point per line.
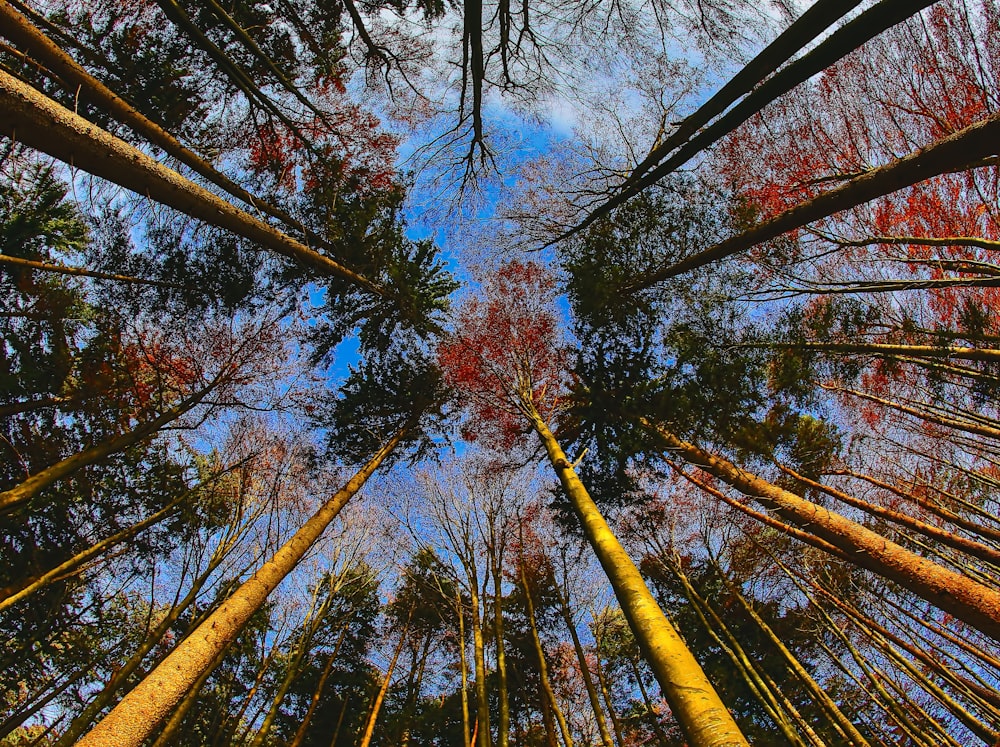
x=366, y=737
x=166, y=735
x=943, y=536
x=543, y=668
x=605, y=690
x=300, y=733
x=958, y=150
x=135, y=717
x=697, y=707
x=464, y=665
x=479, y=651
x=503, y=725
x=20, y=30
x=32, y=118
x=951, y=592
x=913, y=351
x=31, y=487
x=121, y=675
x=588, y=680
x=74, y=565
x=807, y=27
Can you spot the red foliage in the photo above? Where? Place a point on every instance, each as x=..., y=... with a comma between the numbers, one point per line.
x=507, y=350
x=922, y=80
x=347, y=144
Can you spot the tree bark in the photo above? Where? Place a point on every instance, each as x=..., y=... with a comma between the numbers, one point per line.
x=464, y=665
x=697, y=707
x=30, y=117
x=543, y=669
x=300, y=733
x=970, y=547
x=951, y=592
x=106, y=696
x=135, y=717
x=15, y=593
x=588, y=680
x=25, y=491
x=479, y=653
x=947, y=154
x=366, y=737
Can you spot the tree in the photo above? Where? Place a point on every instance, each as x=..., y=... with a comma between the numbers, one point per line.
x=505, y=357
x=163, y=688
x=655, y=362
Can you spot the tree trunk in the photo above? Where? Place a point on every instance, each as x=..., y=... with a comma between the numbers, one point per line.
x=915, y=351
x=605, y=691
x=697, y=707
x=479, y=651
x=588, y=681
x=135, y=717
x=16, y=592
x=20, y=30
x=464, y=665
x=951, y=592
x=543, y=669
x=366, y=737
x=30, y=117
x=300, y=733
x=503, y=727
x=31, y=487
x=122, y=673
x=955, y=151
x=943, y=536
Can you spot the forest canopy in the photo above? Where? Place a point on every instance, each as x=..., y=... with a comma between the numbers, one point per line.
x=488, y=374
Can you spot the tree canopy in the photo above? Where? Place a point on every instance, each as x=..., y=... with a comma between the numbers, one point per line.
x=478, y=373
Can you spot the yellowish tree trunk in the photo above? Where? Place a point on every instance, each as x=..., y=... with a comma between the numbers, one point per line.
x=479, y=653
x=464, y=665
x=25, y=491
x=543, y=668
x=588, y=680
x=135, y=717
x=366, y=738
x=300, y=733
x=949, y=591
x=697, y=707
x=30, y=117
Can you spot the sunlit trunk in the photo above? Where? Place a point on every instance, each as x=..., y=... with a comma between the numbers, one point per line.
x=951, y=592
x=300, y=733
x=694, y=702
x=588, y=680
x=29, y=488
x=479, y=653
x=543, y=668
x=135, y=717
x=366, y=737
